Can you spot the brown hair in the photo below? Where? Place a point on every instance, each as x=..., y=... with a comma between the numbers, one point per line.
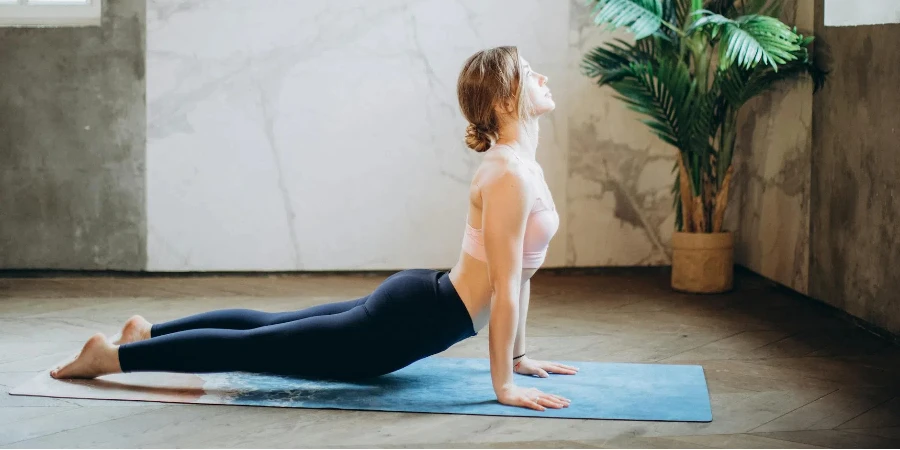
x=487, y=78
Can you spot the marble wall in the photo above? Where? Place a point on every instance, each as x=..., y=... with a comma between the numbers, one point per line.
x=619, y=177
x=308, y=135
x=72, y=132
x=769, y=206
x=855, y=198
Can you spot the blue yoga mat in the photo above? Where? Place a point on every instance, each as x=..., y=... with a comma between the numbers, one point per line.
x=653, y=392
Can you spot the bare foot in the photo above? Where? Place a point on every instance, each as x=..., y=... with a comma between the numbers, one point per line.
x=98, y=357
x=136, y=329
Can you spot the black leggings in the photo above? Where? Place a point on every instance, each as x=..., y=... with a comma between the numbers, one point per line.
x=411, y=315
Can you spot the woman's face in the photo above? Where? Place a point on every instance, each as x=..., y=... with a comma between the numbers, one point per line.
x=537, y=91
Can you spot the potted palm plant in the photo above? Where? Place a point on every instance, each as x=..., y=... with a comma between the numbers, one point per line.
x=690, y=68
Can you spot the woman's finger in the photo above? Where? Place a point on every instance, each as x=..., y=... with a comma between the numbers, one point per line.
x=564, y=366
x=550, y=403
x=551, y=397
x=533, y=405
x=562, y=369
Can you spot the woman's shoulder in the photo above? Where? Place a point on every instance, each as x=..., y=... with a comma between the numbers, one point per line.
x=501, y=171
x=502, y=162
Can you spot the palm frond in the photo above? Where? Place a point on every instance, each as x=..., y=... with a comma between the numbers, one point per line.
x=750, y=40
x=696, y=5
x=641, y=17
x=739, y=85
x=732, y=83
x=651, y=80
x=703, y=120
x=666, y=94
x=641, y=94
x=676, y=198
x=611, y=62
x=672, y=13
x=676, y=12
x=744, y=87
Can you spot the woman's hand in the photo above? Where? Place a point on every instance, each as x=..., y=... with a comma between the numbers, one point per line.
x=542, y=369
x=530, y=398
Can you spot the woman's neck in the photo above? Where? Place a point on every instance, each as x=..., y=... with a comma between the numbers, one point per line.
x=522, y=137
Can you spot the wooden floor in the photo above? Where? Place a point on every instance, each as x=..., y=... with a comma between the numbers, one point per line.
x=782, y=371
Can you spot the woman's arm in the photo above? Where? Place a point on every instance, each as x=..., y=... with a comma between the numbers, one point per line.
x=524, y=297
x=526, y=365
x=505, y=201
x=505, y=206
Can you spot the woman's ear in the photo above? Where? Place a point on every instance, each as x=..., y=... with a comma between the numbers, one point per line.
x=504, y=107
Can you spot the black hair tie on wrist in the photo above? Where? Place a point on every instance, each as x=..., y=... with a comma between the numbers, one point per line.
x=517, y=357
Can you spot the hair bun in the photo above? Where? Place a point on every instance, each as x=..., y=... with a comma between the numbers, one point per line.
x=477, y=138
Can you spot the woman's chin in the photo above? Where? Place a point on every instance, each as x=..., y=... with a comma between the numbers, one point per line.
x=547, y=106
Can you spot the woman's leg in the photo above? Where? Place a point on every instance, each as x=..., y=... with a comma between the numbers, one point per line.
x=346, y=344
x=306, y=345
x=245, y=319
x=399, y=323
x=138, y=329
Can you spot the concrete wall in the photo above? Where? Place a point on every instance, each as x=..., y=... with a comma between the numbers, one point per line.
x=72, y=133
x=769, y=207
x=818, y=197
x=855, y=197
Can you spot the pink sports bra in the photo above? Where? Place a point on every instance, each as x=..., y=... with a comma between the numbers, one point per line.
x=541, y=225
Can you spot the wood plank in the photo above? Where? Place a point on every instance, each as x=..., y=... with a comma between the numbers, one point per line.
x=884, y=415
x=17, y=351
x=830, y=411
x=890, y=433
x=10, y=415
x=833, y=439
x=734, y=346
x=58, y=420
x=741, y=441
x=761, y=378
x=833, y=369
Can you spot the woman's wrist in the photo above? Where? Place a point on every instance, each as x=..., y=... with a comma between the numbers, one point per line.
x=518, y=360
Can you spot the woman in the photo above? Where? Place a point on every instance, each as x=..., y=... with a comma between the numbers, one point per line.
x=414, y=313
